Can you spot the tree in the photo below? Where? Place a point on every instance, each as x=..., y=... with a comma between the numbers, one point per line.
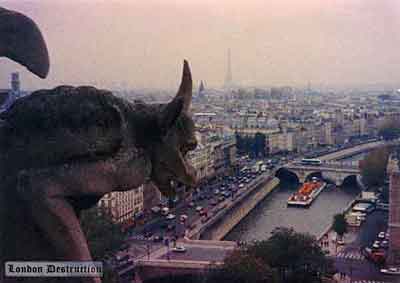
x=339, y=224
x=390, y=130
x=242, y=267
x=102, y=234
x=373, y=167
x=297, y=257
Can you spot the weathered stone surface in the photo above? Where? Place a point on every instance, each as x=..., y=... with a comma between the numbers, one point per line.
x=63, y=149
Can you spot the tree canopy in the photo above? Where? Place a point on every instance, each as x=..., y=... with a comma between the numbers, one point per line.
x=102, y=234
x=339, y=224
x=296, y=256
x=373, y=167
x=390, y=130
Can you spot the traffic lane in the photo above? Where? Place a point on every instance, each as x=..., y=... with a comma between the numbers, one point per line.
x=157, y=227
x=376, y=222
x=198, y=253
x=361, y=270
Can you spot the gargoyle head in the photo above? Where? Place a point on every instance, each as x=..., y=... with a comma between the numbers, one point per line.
x=22, y=42
x=168, y=155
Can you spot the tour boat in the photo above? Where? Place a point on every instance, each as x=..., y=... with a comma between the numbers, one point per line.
x=307, y=193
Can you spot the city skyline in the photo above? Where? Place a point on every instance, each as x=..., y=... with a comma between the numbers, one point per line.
x=134, y=44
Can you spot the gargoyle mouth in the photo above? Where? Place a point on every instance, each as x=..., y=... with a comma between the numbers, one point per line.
x=82, y=202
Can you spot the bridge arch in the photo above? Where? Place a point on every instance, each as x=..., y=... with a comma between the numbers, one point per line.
x=350, y=180
x=285, y=175
x=317, y=174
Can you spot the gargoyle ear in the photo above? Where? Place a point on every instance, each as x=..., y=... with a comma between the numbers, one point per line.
x=185, y=89
x=170, y=114
x=22, y=42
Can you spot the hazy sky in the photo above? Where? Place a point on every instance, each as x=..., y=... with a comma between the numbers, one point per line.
x=273, y=42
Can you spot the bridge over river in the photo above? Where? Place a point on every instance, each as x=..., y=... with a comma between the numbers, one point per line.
x=273, y=211
x=334, y=167
x=334, y=171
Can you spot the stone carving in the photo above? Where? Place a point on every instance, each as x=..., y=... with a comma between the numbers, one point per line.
x=22, y=41
x=61, y=150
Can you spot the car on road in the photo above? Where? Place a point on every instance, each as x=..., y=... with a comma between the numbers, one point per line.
x=391, y=271
x=183, y=217
x=179, y=249
x=340, y=242
x=157, y=239
x=147, y=233
x=241, y=185
x=170, y=216
x=203, y=211
x=198, y=208
x=376, y=245
x=375, y=256
x=165, y=211
x=385, y=244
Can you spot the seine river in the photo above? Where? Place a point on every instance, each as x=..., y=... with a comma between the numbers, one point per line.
x=273, y=212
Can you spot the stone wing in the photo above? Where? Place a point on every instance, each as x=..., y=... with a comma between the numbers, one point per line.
x=66, y=124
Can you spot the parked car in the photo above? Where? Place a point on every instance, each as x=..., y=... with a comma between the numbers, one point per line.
x=385, y=244
x=170, y=216
x=203, y=211
x=179, y=249
x=381, y=235
x=198, y=208
x=157, y=239
x=391, y=271
x=376, y=245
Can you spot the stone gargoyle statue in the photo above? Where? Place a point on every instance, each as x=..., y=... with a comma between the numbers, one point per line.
x=61, y=150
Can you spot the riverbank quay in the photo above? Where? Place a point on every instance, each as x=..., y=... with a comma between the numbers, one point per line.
x=327, y=239
x=230, y=214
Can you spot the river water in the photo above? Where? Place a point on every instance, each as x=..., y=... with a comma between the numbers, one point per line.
x=273, y=212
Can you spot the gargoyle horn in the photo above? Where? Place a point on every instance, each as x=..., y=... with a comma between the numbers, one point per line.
x=181, y=102
x=185, y=89
x=22, y=42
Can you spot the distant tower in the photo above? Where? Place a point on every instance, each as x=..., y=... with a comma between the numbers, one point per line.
x=201, y=90
x=228, y=79
x=15, y=84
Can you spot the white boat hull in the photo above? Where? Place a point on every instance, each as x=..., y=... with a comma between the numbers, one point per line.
x=309, y=201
